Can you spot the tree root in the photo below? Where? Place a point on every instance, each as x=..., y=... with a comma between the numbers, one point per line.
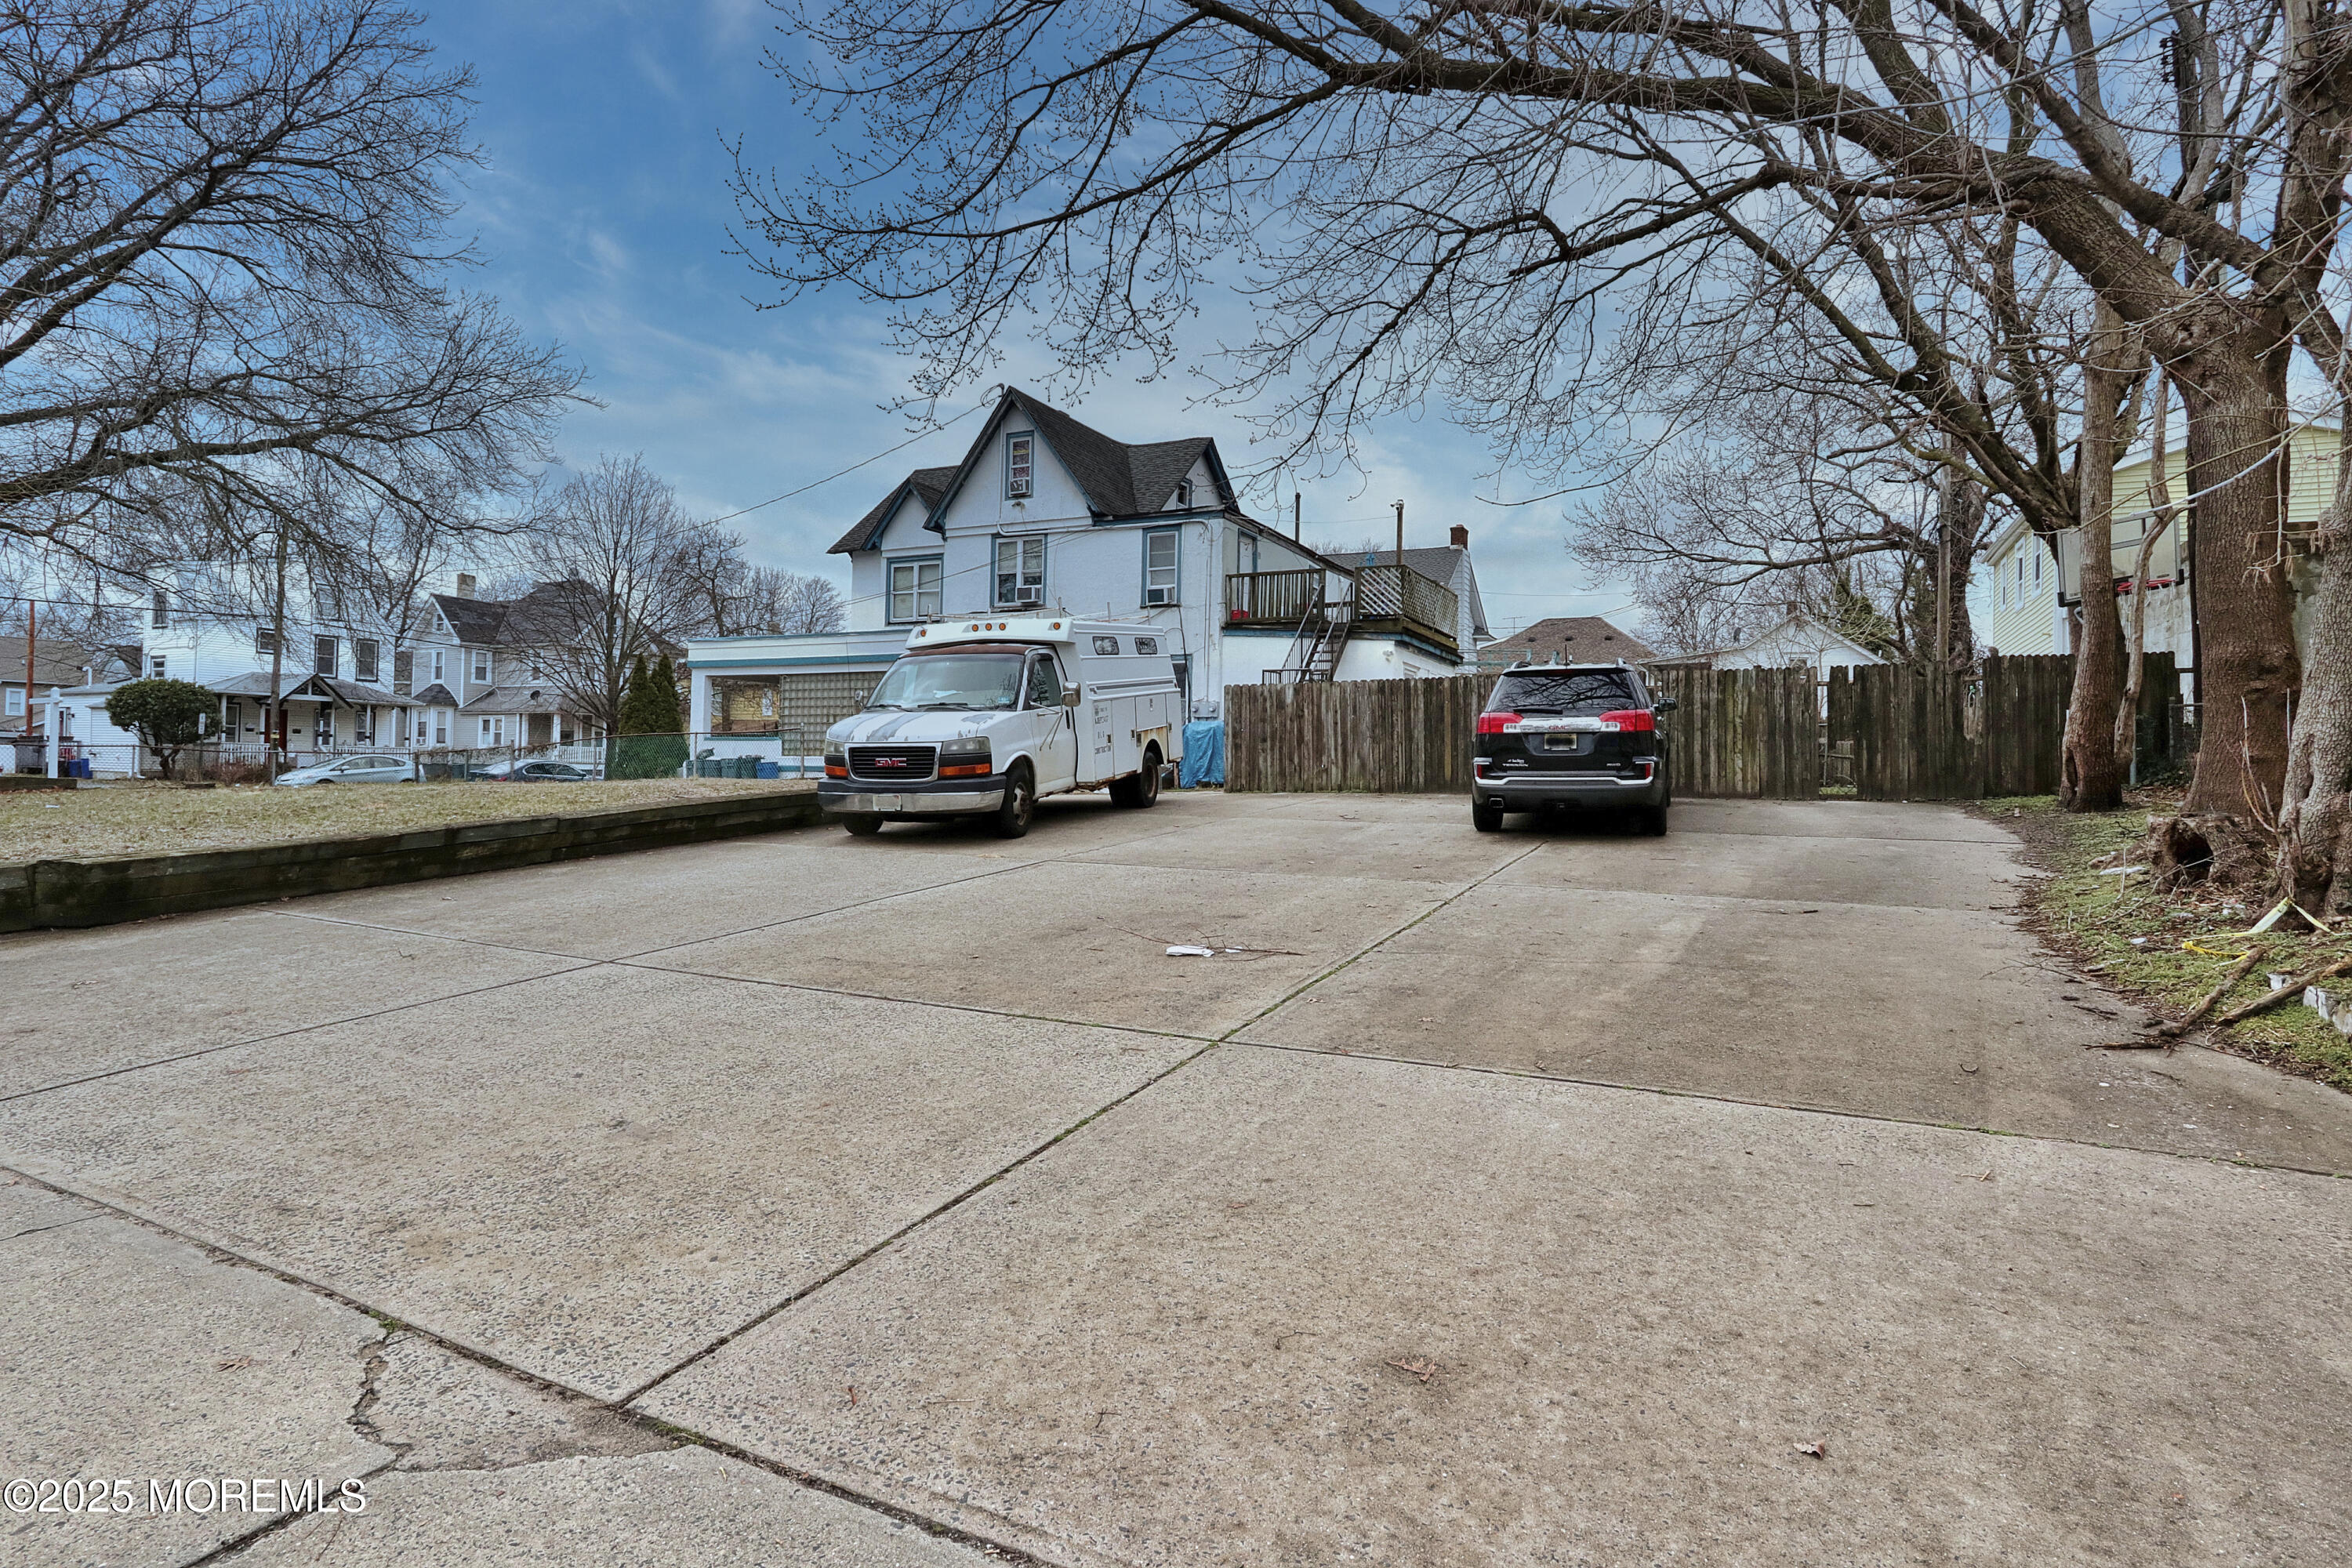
x=2225, y=851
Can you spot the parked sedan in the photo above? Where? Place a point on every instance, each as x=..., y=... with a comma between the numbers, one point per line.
x=540, y=772
x=353, y=770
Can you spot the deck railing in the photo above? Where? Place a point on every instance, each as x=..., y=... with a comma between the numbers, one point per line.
x=1273, y=598
x=1401, y=595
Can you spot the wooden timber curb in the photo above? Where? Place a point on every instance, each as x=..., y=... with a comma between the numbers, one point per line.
x=38, y=894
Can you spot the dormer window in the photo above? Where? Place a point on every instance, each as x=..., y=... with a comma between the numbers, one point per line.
x=1020, y=464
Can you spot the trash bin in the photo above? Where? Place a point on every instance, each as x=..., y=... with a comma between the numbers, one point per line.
x=768, y=770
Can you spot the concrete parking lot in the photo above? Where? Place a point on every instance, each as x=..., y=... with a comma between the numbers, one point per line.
x=1485, y=1200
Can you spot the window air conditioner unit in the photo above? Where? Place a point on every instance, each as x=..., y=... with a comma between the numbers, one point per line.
x=1029, y=596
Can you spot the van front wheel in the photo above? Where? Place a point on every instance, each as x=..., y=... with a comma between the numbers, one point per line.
x=1020, y=809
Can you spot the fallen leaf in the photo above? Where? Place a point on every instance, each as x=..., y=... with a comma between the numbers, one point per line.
x=236, y=1361
x=1817, y=1450
x=1423, y=1370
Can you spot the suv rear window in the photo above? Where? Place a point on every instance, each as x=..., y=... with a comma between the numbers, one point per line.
x=1570, y=691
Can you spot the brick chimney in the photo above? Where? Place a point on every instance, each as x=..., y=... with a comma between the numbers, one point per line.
x=1458, y=537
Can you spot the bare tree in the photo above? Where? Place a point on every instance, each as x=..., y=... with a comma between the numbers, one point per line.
x=1469, y=194
x=222, y=244
x=623, y=574
x=791, y=603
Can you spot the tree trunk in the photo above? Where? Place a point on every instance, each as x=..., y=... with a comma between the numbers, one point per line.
x=2315, y=828
x=1961, y=524
x=2247, y=663
x=2089, y=779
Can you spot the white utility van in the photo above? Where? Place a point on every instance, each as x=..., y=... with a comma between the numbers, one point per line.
x=982, y=717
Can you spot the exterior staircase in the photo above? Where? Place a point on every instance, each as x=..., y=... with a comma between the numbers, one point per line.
x=1315, y=651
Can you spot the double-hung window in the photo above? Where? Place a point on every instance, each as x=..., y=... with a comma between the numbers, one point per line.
x=481, y=667
x=1021, y=465
x=363, y=659
x=915, y=589
x=323, y=651
x=1160, y=566
x=1021, y=570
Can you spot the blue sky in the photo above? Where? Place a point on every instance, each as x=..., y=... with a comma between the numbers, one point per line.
x=604, y=214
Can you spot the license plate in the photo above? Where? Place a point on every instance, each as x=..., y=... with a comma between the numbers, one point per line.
x=1566, y=744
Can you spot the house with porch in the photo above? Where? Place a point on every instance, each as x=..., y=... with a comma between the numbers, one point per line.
x=1047, y=513
x=457, y=673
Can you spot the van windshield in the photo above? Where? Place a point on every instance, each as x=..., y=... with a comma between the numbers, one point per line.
x=950, y=680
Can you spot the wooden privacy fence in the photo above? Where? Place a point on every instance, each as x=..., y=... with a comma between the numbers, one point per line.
x=1891, y=731
x=1736, y=732
x=1914, y=734
x=1754, y=733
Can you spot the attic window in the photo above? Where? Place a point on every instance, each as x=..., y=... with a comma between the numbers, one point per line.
x=1183, y=492
x=1020, y=470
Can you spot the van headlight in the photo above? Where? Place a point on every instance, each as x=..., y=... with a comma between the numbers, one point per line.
x=965, y=757
x=836, y=761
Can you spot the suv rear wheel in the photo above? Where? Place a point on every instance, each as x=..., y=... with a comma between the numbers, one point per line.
x=1485, y=818
x=1653, y=819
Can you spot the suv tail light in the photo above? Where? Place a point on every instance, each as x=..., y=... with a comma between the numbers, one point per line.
x=1630, y=719
x=1492, y=723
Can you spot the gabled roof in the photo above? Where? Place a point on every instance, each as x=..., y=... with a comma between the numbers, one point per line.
x=436, y=696
x=1576, y=639
x=542, y=699
x=1119, y=480
x=55, y=662
x=1437, y=565
x=927, y=485
x=294, y=682
x=473, y=620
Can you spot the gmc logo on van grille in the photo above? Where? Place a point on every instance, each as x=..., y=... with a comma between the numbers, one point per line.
x=891, y=762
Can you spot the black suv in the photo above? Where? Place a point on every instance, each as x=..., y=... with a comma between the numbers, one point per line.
x=1571, y=734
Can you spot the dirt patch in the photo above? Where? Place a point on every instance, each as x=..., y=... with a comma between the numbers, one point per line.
x=2163, y=950
x=164, y=820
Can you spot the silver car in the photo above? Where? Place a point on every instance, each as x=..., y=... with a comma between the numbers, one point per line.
x=361, y=769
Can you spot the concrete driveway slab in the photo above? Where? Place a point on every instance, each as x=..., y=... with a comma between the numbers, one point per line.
x=1084, y=941
x=590, y=1176
x=1944, y=1016
x=128, y=1355
x=144, y=993
x=614, y=906
x=1301, y=1310
x=686, y=1506
x=1908, y=873
x=1833, y=819
x=1340, y=845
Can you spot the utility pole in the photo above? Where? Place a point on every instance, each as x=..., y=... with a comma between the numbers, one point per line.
x=1400, y=560
x=1294, y=517
x=273, y=735
x=32, y=625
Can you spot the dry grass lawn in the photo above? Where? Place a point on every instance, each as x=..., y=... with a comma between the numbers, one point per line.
x=160, y=820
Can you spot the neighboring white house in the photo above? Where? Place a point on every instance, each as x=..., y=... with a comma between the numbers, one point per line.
x=1796, y=640
x=1045, y=513
x=2035, y=606
x=462, y=678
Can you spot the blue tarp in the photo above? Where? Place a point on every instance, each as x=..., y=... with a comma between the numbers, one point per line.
x=1204, y=754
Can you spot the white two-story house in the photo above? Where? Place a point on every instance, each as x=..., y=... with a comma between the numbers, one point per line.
x=452, y=675
x=1046, y=513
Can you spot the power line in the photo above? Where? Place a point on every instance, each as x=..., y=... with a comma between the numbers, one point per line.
x=864, y=462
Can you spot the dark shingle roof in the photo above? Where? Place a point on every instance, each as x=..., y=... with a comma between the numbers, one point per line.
x=541, y=698
x=1576, y=639
x=928, y=484
x=474, y=620
x=55, y=662
x=436, y=696
x=1118, y=479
